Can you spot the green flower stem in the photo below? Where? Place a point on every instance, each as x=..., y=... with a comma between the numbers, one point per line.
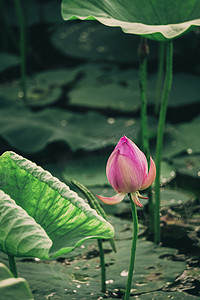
x=159, y=83
x=160, y=133
x=21, y=20
x=12, y=265
x=133, y=249
x=143, y=52
x=103, y=266
x=150, y=211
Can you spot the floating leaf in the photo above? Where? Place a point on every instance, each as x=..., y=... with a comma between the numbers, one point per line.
x=182, y=138
x=31, y=132
x=167, y=172
x=62, y=218
x=42, y=88
x=156, y=20
x=107, y=87
x=94, y=41
x=170, y=197
x=81, y=279
x=160, y=295
x=188, y=165
x=13, y=288
x=8, y=60
x=90, y=171
x=184, y=92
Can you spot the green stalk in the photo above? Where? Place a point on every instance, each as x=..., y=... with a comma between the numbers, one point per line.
x=160, y=133
x=143, y=53
x=133, y=249
x=12, y=265
x=21, y=20
x=103, y=266
x=159, y=83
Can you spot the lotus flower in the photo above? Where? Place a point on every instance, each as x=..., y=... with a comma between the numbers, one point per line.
x=127, y=171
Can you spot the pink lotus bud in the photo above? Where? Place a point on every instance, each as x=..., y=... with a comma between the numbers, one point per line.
x=127, y=172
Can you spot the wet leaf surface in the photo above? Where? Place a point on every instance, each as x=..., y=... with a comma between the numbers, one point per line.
x=90, y=131
x=81, y=278
x=188, y=165
x=182, y=138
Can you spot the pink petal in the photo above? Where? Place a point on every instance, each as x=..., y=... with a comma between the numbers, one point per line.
x=151, y=175
x=126, y=167
x=112, y=200
x=140, y=196
x=130, y=149
x=135, y=199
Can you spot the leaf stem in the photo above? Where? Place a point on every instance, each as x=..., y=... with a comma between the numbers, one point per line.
x=21, y=20
x=143, y=53
x=12, y=265
x=159, y=83
x=133, y=249
x=160, y=133
x=103, y=266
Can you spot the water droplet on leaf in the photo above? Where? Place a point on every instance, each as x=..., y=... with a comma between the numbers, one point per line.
x=124, y=273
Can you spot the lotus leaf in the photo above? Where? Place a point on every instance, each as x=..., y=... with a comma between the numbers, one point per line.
x=158, y=20
x=13, y=288
x=31, y=132
x=41, y=216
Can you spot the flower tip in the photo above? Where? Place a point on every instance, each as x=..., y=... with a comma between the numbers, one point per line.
x=134, y=197
x=112, y=200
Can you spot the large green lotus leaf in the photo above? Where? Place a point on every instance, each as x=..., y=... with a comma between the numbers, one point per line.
x=13, y=288
x=42, y=88
x=65, y=217
x=32, y=132
x=20, y=234
x=158, y=20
